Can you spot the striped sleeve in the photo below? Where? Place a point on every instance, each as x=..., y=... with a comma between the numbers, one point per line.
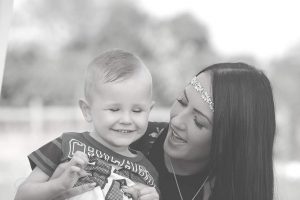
x=47, y=157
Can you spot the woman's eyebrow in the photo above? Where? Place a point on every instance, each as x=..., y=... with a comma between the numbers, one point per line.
x=185, y=95
x=196, y=110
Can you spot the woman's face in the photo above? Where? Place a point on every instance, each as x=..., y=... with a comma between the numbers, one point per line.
x=189, y=135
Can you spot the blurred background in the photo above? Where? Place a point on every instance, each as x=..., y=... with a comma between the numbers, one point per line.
x=51, y=42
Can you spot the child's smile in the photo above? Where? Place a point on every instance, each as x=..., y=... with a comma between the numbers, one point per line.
x=120, y=114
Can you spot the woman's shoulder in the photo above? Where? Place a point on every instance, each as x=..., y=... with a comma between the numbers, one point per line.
x=154, y=130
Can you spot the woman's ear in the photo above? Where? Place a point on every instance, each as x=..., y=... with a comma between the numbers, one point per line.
x=85, y=109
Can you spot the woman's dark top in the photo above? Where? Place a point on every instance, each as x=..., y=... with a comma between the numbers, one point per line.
x=151, y=144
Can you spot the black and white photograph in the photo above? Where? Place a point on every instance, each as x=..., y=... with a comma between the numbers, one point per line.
x=149, y=100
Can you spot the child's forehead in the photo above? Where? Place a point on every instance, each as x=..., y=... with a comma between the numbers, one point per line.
x=101, y=75
x=124, y=89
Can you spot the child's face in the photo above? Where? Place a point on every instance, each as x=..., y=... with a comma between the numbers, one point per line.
x=119, y=111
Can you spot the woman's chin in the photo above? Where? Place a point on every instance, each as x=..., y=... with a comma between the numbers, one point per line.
x=171, y=150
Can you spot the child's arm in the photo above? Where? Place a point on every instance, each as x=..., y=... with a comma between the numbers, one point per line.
x=38, y=186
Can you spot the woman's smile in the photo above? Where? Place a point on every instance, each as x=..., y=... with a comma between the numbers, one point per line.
x=175, y=137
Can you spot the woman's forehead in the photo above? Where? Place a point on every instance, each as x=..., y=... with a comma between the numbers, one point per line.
x=205, y=80
x=199, y=93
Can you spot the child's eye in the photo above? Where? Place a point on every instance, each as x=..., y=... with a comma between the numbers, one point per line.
x=198, y=124
x=113, y=109
x=138, y=110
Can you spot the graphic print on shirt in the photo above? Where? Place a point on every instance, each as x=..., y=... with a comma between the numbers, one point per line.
x=140, y=170
x=105, y=176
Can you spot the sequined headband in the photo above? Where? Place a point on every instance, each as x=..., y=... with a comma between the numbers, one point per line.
x=204, y=95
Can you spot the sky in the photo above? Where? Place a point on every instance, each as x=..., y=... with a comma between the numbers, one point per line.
x=265, y=29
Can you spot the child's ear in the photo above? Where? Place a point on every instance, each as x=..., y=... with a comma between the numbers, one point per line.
x=85, y=109
x=152, y=105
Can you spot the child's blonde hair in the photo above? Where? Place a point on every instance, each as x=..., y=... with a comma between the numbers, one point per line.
x=110, y=66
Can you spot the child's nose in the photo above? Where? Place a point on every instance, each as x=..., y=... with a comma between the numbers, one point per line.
x=125, y=118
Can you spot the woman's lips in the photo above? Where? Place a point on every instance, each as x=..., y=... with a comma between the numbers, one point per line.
x=175, y=137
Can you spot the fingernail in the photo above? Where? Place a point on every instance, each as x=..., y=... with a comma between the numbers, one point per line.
x=93, y=184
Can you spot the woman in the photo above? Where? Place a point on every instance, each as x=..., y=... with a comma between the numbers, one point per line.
x=219, y=141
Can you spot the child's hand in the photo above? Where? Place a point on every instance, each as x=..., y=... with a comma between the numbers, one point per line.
x=69, y=173
x=79, y=159
x=59, y=170
x=140, y=191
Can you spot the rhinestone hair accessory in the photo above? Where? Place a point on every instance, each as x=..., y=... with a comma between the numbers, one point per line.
x=204, y=95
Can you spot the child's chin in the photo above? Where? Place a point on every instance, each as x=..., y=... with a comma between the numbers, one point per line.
x=123, y=143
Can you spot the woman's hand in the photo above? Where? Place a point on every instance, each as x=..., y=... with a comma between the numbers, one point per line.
x=140, y=191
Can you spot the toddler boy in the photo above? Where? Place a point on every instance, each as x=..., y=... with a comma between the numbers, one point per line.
x=118, y=99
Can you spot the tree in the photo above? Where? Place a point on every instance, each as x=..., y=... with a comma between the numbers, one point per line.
x=49, y=61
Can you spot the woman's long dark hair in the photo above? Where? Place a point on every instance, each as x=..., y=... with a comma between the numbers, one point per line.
x=243, y=133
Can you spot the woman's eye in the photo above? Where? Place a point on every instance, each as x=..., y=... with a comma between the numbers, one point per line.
x=198, y=124
x=181, y=101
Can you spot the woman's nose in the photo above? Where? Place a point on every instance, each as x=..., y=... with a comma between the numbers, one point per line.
x=179, y=120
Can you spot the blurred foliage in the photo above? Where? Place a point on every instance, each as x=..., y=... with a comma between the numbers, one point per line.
x=52, y=42
x=48, y=62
